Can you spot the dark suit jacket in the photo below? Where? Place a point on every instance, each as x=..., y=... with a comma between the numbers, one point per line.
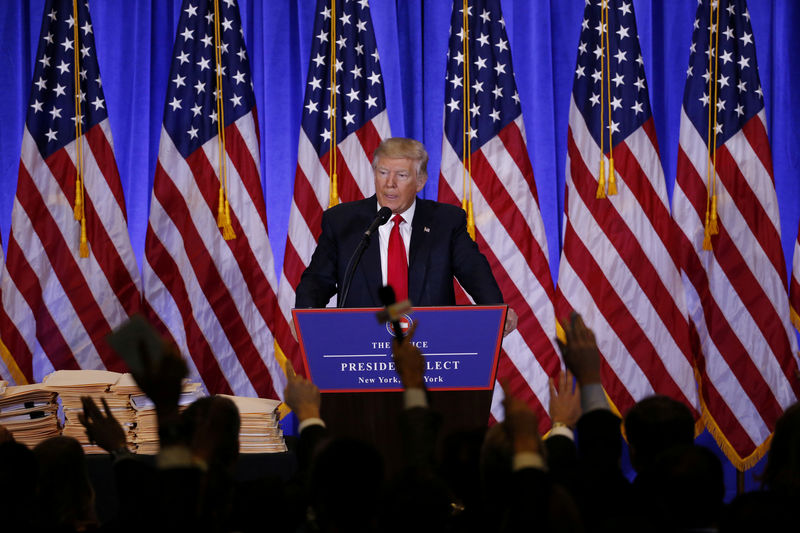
x=591, y=472
x=440, y=249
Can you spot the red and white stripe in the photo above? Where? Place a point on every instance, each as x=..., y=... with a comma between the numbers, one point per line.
x=794, y=284
x=215, y=298
x=57, y=306
x=311, y=198
x=510, y=233
x=619, y=271
x=9, y=370
x=736, y=293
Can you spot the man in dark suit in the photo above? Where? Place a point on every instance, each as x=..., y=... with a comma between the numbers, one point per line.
x=434, y=237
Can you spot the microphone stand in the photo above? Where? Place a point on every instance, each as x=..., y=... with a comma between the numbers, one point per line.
x=381, y=218
x=351, y=268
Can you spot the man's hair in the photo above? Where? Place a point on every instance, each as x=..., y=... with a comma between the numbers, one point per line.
x=782, y=471
x=403, y=148
x=654, y=425
x=223, y=419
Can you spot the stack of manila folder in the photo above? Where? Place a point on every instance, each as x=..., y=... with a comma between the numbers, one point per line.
x=260, y=432
x=145, y=431
x=71, y=385
x=122, y=390
x=29, y=412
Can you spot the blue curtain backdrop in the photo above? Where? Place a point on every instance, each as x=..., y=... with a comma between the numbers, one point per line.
x=134, y=42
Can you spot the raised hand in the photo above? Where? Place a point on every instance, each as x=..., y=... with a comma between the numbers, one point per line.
x=301, y=395
x=102, y=429
x=408, y=360
x=521, y=423
x=580, y=352
x=162, y=376
x=565, y=400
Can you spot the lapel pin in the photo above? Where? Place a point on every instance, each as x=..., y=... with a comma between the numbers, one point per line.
x=426, y=229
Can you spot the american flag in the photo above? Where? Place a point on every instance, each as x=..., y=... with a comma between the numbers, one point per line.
x=9, y=370
x=618, y=266
x=794, y=284
x=214, y=297
x=70, y=275
x=499, y=180
x=360, y=123
x=736, y=291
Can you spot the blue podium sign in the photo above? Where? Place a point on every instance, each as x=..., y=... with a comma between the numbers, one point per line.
x=348, y=350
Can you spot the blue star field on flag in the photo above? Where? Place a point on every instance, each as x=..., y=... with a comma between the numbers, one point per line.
x=494, y=101
x=359, y=82
x=739, y=97
x=628, y=99
x=190, y=114
x=52, y=109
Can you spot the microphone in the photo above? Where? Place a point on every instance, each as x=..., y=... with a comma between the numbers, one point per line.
x=388, y=299
x=383, y=215
x=380, y=219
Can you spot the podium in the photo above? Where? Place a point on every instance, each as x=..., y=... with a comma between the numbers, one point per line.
x=347, y=354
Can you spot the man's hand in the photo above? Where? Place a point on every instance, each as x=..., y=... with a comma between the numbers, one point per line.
x=408, y=361
x=103, y=430
x=301, y=395
x=580, y=352
x=565, y=400
x=511, y=322
x=162, y=376
x=521, y=424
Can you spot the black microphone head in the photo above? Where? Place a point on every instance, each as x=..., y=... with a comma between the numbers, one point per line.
x=380, y=219
x=386, y=293
x=383, y=215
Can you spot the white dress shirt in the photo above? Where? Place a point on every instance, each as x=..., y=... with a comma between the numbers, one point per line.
x=385, y=230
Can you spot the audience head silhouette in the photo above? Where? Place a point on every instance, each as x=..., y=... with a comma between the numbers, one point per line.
x=654, y=425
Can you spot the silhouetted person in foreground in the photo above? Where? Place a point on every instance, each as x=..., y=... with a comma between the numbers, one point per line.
x=520, y=494
x=64, y=497
x=655, y=425
x=774, y=507
x=418, y=497
x=191, y=487
x=687, y=490
x=660, y=434
x=18, y=475
x=584, y=447
x=341, y=480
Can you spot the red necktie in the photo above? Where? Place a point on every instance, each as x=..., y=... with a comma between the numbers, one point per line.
x=397, y=264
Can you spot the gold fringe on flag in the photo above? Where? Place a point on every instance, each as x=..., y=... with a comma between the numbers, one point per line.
x=78, y=211
x=281, y=358
x=84, y=247
x=466, y=131
x=16, y=374
x=612, y=178
x=795, y=319
x=711, y=225
x=223, y=207
x=740, y=463
x=601, y=180
x=333, y=151
x=605, y=104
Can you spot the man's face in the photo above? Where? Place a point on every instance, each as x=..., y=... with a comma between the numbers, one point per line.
x=396, y=183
